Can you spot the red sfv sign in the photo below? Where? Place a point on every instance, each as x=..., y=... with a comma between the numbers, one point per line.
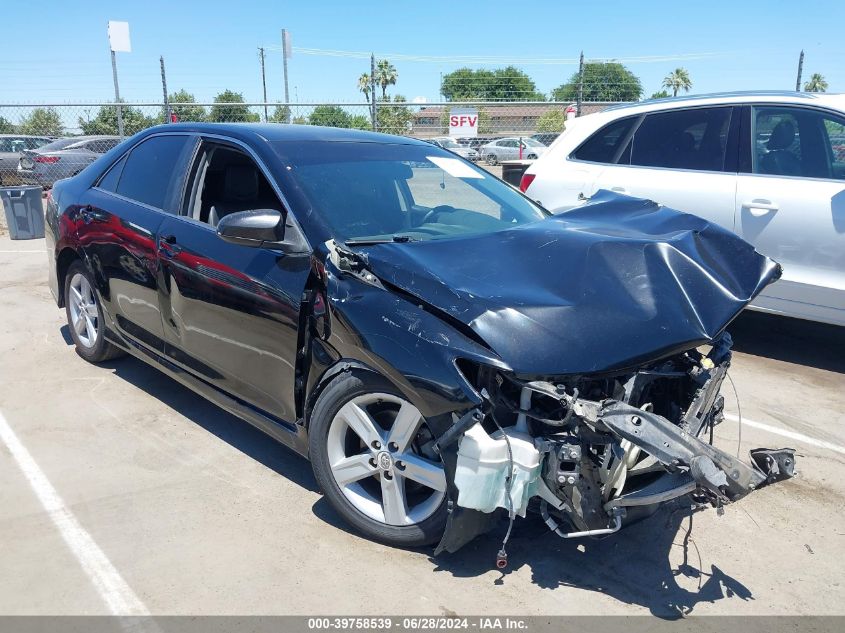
x=463, y=122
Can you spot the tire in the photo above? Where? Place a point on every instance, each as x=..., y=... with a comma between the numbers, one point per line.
x=81, y=305
x=361, y=501
x=532, y=156
x=491, y=159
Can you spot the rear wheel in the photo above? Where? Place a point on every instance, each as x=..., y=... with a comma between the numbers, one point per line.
x=85, y=316
x=372, y=455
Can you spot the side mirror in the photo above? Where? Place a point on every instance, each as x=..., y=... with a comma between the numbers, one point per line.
x=261, y=227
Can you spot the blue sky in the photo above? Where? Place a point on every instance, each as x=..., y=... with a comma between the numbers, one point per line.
x=62, y=55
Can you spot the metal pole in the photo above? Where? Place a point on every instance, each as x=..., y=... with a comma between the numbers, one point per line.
x=168, y=114
x=263, y=81
x=285, y=66
x=580, y=85
x=117, y=96
x=800, y=69
x=373, y=91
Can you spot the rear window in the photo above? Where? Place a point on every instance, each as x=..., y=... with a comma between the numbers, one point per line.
x=62, y=143
x=605, y=146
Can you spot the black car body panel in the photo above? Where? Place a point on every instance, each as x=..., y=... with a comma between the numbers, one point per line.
x=604, y=301
x=606, y=286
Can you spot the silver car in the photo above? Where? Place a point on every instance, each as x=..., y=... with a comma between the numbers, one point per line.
x=508, y=149
x=453, y=146
x=12, y=147
x=62, y=159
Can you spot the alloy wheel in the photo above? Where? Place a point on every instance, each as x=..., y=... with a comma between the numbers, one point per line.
x=84, y=315
x=379, y=451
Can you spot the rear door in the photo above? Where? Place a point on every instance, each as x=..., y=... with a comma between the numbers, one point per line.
x=790, y=204
x=117, y=225
x=231, y=312
x=684, y=159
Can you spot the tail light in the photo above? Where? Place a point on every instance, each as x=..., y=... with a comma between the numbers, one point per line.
x=46, y=159
x=526, y=181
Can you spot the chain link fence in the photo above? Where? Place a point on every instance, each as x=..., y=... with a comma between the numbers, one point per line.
x=42, y=143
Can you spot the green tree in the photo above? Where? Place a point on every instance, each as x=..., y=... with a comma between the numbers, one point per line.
x=6, y=126
x=365, y=86
x=42, y=121
x=501, y=84
x=386, y=75
x=603, y=81
x=392, y=118
x=551, y=121
x=360, y=122
x=329, y=116
x=105, y=122
x=281, y=114
x=677, y=80
x=228, y=108
x=183, y=105
x=662, y=94
x=817, y=83
x=299, y=120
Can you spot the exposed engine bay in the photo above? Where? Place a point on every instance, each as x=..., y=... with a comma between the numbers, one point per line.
x=589, y=451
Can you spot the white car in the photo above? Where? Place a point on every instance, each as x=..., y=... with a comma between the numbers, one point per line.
x=456, y=148
x=508, y=149
x=768, y=166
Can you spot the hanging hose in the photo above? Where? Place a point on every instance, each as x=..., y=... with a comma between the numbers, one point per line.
x=502, y=555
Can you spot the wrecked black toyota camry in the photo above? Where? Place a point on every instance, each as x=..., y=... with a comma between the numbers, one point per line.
x=443, y=350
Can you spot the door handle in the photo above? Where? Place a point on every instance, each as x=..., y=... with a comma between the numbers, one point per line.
x=760, y=207
x=168, y=246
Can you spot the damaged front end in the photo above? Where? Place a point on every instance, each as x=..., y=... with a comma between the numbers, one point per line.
x=589, y=452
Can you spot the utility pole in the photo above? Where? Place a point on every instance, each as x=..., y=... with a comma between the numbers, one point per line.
x=580, y=85
x=374, y=114
x=800, y=69
x=285, y=52
x=117, y=95
x=168, y=114
x=263, y=81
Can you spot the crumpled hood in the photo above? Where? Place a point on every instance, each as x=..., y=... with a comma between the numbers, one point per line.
x=609, y=285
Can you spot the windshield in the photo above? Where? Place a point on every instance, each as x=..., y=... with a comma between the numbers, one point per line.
x=372, y=192
x=448, y=143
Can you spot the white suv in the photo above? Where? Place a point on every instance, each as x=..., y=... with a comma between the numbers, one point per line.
x=768, y=166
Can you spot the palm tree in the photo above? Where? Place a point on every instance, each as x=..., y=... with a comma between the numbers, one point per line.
x=364, y=85
x=817, y=83
x=677, y=80
x=386, y=75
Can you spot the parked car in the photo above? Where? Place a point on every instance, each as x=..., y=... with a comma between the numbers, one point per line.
x=546, y=138
x=456, y=148
x=475, y=142
x=508, y=148
x=437, y=344
x=769, y=166
x=62, y=158
x=12, y=147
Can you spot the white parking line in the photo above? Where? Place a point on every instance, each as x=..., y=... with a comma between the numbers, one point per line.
x=113, y=589
x=798, y=437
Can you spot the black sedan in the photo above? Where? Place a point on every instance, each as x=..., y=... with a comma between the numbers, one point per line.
x=441, y=348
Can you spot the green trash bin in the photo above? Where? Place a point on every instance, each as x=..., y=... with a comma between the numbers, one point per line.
x=24, y=212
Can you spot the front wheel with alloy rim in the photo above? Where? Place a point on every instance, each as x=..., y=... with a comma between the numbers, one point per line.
x=372, y=455
x=85, y=316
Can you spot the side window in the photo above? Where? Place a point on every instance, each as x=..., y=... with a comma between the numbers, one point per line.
x=226, y=180
x=148, y=172
x=112, y=176
x=797, y=142
x=683, y=139
x=605, y=145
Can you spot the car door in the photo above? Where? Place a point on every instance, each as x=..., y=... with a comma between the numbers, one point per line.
x=117, y=225
x=231, y=312
x=790, y=204
x=684, y=159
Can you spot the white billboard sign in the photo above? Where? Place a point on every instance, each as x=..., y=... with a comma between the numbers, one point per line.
x=119, y=37
x=463, y=122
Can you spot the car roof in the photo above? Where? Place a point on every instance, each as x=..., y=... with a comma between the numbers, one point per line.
x=23, y=136
x=761, y=96
x=286, y=132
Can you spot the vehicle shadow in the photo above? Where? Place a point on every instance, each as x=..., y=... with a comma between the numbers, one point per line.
x=790, y=340
x=633, y=567
x=229, y=428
